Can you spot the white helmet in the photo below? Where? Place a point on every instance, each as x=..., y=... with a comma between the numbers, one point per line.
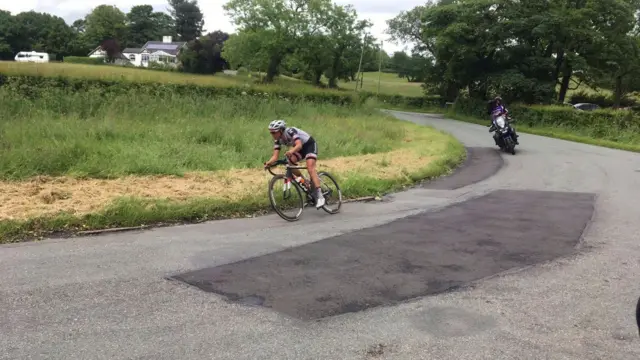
x=277, y=125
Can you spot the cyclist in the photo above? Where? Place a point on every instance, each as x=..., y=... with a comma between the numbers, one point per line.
x=303, y=146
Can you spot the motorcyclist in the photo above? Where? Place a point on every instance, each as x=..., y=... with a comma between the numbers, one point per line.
x=497, y=106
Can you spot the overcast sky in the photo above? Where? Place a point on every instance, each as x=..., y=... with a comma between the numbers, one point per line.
x=377, y=11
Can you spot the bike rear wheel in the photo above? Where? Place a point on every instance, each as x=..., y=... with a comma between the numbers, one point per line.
x=330, y=191
x=289, y=192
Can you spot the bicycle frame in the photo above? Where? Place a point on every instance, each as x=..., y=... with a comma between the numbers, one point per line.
x=289, y=177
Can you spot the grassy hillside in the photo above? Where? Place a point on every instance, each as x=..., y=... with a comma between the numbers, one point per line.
x=93, y=147
x=390, y=84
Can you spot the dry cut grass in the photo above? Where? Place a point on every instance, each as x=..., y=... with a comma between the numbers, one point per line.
x=45, y=195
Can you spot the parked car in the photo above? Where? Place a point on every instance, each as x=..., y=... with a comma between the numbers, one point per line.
x=586, y=106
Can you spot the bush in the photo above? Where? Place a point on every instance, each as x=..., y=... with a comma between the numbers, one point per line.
x=158, y=66
x=599, y=99
x=84, y=60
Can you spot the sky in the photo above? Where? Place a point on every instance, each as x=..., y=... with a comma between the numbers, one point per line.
x=377, y=11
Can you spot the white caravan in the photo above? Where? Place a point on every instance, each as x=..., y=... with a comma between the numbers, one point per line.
x=32, y=56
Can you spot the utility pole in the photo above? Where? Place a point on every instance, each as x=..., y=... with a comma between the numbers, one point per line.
x=380, y=65
x=360, y=65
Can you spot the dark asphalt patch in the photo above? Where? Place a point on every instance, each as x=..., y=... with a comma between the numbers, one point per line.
x=415, y=256
x=481, y=163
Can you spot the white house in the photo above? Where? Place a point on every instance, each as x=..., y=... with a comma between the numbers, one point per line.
x=99, y=53
x=164, y=52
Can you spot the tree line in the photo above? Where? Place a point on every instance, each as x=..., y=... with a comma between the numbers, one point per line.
x=302, y=38
x=34, y=31
x=532, y=51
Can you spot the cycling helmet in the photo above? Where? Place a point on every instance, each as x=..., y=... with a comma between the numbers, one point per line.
x=277, y=125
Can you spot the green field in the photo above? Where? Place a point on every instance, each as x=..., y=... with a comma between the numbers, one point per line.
x=99, y=158
x=390, y=84
x=80, y=135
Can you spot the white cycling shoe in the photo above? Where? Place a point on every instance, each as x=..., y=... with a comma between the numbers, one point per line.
x=320, y=202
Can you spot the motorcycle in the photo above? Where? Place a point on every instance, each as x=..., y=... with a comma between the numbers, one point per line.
x=503, y=135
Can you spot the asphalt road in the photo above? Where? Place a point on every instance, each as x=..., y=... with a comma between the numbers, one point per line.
x=107, y=297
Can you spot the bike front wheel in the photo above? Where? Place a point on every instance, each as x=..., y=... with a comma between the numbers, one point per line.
x=331, y=192
x=291, y=196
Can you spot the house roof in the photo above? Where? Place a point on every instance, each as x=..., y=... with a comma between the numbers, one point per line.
x=170, y=48
x=95, y=50
x=132, y=50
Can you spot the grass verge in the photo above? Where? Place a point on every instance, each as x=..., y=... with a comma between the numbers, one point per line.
x=74, y=162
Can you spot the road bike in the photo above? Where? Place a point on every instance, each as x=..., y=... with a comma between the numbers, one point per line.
x=300, y=186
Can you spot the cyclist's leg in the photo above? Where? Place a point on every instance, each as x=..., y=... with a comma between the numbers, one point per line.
x=293, y=160
x=310, y=153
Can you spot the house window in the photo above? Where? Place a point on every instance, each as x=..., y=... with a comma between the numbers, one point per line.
x=145, y=57
x=165, y=59
x=132, y=57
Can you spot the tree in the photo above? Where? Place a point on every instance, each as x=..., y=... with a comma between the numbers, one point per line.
x=164, y=25
x=142, y=26
x=348, y=35
x=280, y=26
x=407, y=27
x=519, y=49
x=106, y=22
x=203, y=56
x=187, y=18
x=145, y=25
x=412, y=67
x=615, y=54
x=79, y=25
x=7, y=35
x=312, y=59
x=246, y=49
x=79, y=45
x=112, y=48
x=464, y=37
x=41, y=32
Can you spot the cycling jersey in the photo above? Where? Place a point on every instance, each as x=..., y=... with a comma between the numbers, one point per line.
x=289, y=137
x=499, y=108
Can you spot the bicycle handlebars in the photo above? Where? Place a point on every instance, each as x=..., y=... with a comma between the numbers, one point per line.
x=282, y=162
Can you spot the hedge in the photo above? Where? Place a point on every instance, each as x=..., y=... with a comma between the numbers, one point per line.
x=34, y=85
x=598, y=123
x=84, y=60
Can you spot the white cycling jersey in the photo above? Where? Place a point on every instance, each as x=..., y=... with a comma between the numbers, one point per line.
x=289, y=137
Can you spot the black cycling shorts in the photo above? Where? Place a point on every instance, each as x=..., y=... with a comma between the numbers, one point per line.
x=309, y=151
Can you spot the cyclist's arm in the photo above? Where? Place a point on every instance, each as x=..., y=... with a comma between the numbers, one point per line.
x=276, y=153
x=297, y=147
